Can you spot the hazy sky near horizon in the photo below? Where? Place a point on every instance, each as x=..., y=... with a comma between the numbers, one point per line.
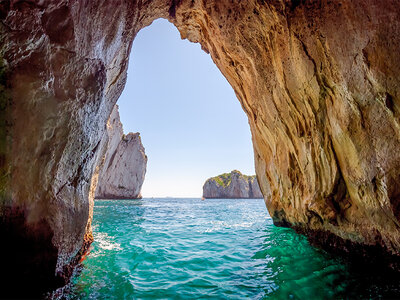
x=190, y=121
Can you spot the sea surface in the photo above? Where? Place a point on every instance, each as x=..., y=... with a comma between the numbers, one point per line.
x=213, y=249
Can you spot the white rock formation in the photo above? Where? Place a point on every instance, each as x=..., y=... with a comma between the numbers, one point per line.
x=124, y=168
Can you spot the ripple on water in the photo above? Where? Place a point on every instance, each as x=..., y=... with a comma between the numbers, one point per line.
x=215, y=249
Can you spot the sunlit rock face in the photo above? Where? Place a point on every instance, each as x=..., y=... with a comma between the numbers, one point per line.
x=318, y=82
x=320, y=86
x=123, y=170
x=233, y=185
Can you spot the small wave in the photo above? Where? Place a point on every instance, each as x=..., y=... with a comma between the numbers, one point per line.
x=105, y=242
x=219, y=225
x=216, y=250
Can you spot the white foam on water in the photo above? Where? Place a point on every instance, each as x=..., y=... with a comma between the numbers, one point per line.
x=220, y=225
x=105, y=242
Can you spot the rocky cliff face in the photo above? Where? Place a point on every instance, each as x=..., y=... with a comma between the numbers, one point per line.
x=319, y=83
x=254, y=188
x=123, y=170
x=233, y=185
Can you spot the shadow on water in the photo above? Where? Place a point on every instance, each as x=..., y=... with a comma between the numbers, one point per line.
x=303, y=271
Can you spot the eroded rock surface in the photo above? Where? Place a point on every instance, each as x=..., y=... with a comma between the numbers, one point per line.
x=233, y=185
x=319, y=82
x=122, y=173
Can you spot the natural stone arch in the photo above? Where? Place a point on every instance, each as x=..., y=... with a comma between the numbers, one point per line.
x=317, y=80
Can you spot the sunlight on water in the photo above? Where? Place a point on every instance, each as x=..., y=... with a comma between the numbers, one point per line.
x=215, y=249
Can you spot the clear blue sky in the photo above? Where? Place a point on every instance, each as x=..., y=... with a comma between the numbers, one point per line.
x=191, y=123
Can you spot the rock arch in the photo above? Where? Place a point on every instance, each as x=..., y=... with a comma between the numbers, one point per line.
x=318, y=80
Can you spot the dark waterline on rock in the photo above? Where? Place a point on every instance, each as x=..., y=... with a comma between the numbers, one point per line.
x=226, y=248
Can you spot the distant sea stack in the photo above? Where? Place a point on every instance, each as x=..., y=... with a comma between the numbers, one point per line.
x=232, y=185
x=124, y=168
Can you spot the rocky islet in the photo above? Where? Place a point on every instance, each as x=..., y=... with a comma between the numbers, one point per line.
x=124, y=167
x=233, y=185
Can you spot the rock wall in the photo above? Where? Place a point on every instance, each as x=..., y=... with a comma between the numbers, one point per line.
x=254, y=188
x=124, y=167
x=233, y=185
x=318, y=80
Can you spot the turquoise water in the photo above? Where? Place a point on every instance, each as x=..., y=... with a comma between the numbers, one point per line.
x=214, y=249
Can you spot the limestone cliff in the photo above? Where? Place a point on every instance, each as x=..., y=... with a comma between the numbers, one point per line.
x=233, y=185
x=123, y=170
x=318, y=80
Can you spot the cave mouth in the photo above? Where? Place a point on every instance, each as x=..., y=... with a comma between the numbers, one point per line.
x=190, y=122
x=295, y=67
x=192, y=128
x=69, y=232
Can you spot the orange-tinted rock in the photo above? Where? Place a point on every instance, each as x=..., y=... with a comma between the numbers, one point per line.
x=319, y=82
x=319, y=85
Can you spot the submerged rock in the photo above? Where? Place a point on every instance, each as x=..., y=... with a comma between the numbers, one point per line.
x=320, y=84
x=232, y=185
x=123, y=171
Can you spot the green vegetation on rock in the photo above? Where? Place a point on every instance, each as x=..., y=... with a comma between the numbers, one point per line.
x=225, y=179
